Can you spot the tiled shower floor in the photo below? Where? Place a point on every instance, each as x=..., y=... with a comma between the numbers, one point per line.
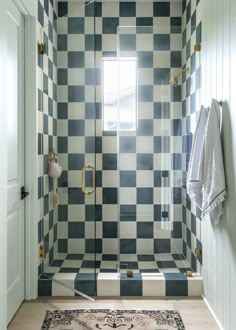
x=107, y=263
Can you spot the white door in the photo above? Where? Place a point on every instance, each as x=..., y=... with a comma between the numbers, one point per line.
x=15, y=167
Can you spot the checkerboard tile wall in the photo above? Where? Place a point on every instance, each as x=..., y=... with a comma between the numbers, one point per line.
x=191, y=35
x=149, y=160
x=47, y=124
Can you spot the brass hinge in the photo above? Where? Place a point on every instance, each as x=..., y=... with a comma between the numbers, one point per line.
x=41, y=48
x=42, y=251
x=189, y=273
x=198, y=252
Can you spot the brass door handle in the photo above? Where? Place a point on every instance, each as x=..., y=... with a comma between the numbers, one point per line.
x=89, y=168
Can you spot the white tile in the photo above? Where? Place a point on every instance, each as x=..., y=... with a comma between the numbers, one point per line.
x=128, y=229
x=75, y=212
x=163, y=257
x=76, y=76
x=109, y=179
x=175, y=8
x=110, y=9
x=109, y=42
x=90, y=230
x=109, y=144
x=161, y=59
x=144, y=9
x=72, y=264
x=127, y=161
x=195, y=285
x=144, y=42
x=147, y=265
x=144, y=246
x=162, y=231
x=144, y=144
x=176, y=245
x=145, y=76
x=127, y=195
x=144, y=212
x=145, y=110
x=144, y=178
x=62, y=229
x=106, y=264
x=74, y=178
x=108, y=287
x=62, y=127
x=169, y=270
x=76, y=245
x=128, y=257
x=153, y=286
x=175, y=41
x=60, y=290
x=110, y=213
x=109, y=246
x=76, y=144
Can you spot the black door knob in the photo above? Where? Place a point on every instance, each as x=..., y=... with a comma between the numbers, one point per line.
x=24, y=193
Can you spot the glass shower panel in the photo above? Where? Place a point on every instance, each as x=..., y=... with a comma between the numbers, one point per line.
x=151, y=164
x=69, y=118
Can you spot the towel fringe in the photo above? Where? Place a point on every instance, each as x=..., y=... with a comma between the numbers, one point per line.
x=212, y=207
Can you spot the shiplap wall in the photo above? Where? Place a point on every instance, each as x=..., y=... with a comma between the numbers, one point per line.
x=219, y=73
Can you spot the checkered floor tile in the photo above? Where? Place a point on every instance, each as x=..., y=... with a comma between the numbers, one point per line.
x=108, y=263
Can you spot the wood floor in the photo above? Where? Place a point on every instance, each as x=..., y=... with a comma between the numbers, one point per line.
x=194, y=312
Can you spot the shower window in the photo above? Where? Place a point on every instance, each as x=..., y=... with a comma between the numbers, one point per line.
x=120, y=83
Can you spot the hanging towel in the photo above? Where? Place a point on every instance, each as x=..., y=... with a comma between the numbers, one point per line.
x=209, y=189
x=195, y=171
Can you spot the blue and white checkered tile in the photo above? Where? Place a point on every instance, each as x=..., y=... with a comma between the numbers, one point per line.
x=47, y=124
x=78, y=51
x=191, y=35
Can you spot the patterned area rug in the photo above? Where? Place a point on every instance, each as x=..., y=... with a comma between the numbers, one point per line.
x=92, y=319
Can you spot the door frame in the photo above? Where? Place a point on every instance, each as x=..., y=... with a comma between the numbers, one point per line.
x=28, y=8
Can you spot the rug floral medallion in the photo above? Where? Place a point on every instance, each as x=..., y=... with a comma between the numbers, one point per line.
x=93, y=319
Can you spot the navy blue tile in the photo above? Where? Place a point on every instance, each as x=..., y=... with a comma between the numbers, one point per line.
x=62, y=8
x=146, y=257
x=62, y=144
x=193, y=103
x=127, y=212
x=161, y=42
x=62, y=76
x=90, y=111
x=193, y=262
x=145, y=93
x=44, y=287
x=45, y=84
x=56, y=263
x=62, y=212
x=63, y=179
x=193, y=63
x=76, y=127
x=127, y=246
x=75, y=59
x=176, y=230
x=90, y=144
x=145, y=229
x=157, y=178
x=128, y=178
x=131, y=286
x=62, y=42
x=176, y=127
x=50, y=106
x=40, y=14
x=144, y=162
x=93, y=212
x=176, y=24
x=145, y=127
x=76, y=25
x=93, y=245
x=91, y=264
x=98, y=179
x=127, y=9
x=109, y=161
x=74, y=256
x=176, y=59
x=166, y=264
x=76, y=93
x=109, y=257
x=188, y=13
x=199, y=33
x=86, y=283
x=109, y=25
x=184, y=249
x=161, y=144
x=176, y=284
x=193, y=224
x=162, y=245
x=176, y=161
x=127, y=42
x=75, y=196
x=188, y=50
x=109, y=229
x=145, y=59
x=144, y=196
x=93, y=42
x=161, y=9
x=161, y=110
x=46, y=204
x=193, y=22
x=177, y=195
x=157, y=212
x=161, y=76
x=189, y=240
x=50, y=69
x=144, y=22
x=127, y=144
x=76, y=230
x=62, y=245
x=109, y=195
x=176, y=93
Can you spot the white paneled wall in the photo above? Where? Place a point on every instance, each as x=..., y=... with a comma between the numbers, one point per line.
x=219, y=81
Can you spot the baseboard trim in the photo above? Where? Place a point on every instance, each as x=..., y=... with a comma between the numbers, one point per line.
x=212, y=312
